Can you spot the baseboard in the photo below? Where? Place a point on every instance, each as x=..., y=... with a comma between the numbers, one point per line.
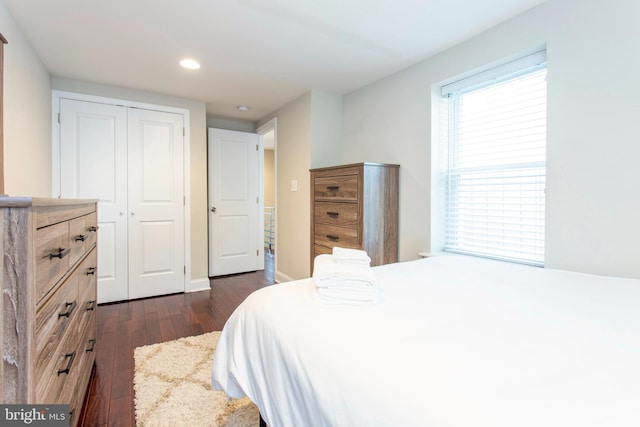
x=281, y=277
x=199, y=285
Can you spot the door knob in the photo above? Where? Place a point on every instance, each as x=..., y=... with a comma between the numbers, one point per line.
x=213, y=209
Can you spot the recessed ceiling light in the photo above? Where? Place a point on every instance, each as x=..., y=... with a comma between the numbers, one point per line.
x=243, y=108
x=190, y=64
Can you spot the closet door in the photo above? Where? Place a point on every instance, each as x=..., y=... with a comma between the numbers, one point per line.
x=93, y=165
x=156, y=203
x=131, y=160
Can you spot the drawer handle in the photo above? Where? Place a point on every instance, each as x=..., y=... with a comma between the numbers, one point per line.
x=93, y=345
x=71, y=357
x=91, y=305
x=333, y=214
x=59, y=253
x=70, y=306
x=332, y=237
x=93, y=229
x=80, y=238
x=333, y=187
x=91, y=271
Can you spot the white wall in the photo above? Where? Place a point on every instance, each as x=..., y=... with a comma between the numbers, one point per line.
x=221, y=123
x=27, y=115
x=309, y=135
x=593, y=203
x=198, y=142
x=293, y=152
x=326, y=129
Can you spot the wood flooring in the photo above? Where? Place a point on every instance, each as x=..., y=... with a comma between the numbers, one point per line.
x=124, y=326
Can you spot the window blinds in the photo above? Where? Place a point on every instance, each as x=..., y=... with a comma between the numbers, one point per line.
x=495, y=180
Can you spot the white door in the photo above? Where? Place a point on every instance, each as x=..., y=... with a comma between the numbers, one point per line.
x=93, y=165
x=131, y=160
x=236, y=225
x=156, y=203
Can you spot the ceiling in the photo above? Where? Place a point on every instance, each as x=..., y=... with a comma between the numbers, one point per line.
x=258, y=53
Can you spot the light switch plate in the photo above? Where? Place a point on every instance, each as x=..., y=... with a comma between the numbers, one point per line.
x=294, y=185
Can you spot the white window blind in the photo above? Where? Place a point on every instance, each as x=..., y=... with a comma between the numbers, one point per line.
x=495, y=178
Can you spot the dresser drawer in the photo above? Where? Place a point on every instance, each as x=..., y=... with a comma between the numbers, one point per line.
x=91, y=223
x=339, y=214
x=78, y=236
x=330, y=236
x=87, y=349
x=332, y=188
x=87, y=273
x=52, y=256
x=55, y=321
x=320, y=250
x=55, y=380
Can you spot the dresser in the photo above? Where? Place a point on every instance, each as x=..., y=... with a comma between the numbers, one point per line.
x=49, y=307
x=355, y=206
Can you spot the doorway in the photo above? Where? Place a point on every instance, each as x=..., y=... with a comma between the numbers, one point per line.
x=268, y=132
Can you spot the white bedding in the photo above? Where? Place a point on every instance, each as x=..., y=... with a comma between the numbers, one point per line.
x=457, y=341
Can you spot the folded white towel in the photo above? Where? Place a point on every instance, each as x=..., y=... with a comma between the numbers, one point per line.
x=347, y=255
x=327, y=273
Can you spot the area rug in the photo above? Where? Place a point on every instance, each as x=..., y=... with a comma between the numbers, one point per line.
x=172, y=385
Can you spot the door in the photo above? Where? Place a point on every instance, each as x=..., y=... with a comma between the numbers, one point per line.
x=156, y=203
x=93, y=165
x=131, y=160
x=236, y=225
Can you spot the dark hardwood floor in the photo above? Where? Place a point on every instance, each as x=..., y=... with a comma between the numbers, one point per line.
x=124, y=326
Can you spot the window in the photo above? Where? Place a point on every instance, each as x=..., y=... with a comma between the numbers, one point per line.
x=496, y=162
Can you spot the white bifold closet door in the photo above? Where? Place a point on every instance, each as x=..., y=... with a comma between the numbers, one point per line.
x=131, y=160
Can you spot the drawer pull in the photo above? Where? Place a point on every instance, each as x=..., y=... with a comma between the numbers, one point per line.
x=333, y=214
x=70, y=306
x=333, y=187
x=332, y=237
x=93, y=345
x=93, y=229
x=71, y=357
x=91, y=305
x=59, y=253
x=91, y=271
x=80, y=238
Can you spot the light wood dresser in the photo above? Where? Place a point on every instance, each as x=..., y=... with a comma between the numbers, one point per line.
x=49, y=300
x=355, y=206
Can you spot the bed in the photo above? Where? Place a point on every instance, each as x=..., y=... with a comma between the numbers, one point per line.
x=456, y=341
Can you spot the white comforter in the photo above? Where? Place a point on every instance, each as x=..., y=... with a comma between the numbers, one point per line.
x=457, y=341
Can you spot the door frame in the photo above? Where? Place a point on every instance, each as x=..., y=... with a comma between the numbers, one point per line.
x=272, y=125
x=57, y=95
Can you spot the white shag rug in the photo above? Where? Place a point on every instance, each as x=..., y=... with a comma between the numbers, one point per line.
x=172, y=385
